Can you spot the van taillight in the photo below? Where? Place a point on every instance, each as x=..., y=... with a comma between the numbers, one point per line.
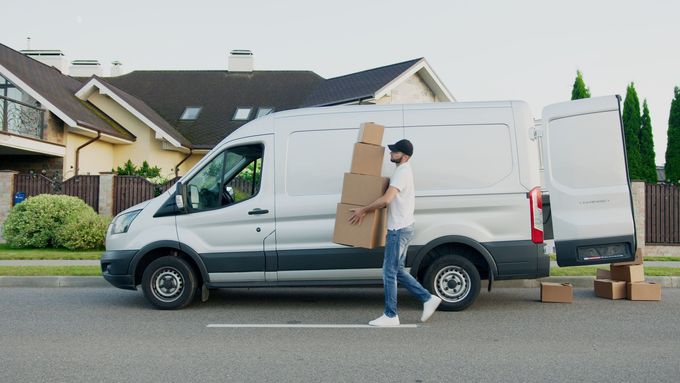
x=536, y=207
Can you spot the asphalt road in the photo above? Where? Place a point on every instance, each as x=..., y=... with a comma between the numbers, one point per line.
x=110, y=335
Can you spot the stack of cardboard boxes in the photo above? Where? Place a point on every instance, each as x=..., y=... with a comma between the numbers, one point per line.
x=361, y=186
x=626, y=280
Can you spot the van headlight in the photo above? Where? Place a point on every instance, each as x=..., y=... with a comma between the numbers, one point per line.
x=121, y=223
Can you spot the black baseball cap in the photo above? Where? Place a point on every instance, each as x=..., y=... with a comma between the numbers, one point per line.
x=404, y=146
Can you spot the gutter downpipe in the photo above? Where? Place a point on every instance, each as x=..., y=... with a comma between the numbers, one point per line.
x=191, y=151
x=99, y=134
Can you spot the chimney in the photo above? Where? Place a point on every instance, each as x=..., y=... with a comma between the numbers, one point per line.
x=84, y=68
x=240, y=60
x=53, y=58
x=116, y=69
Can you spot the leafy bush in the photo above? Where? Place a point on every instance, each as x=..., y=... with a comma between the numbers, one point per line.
x=39, y=221
x=83, y=233
x=146, y=171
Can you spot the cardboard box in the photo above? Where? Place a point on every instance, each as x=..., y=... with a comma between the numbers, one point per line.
x=371, y=133
x=644, y=291
x=367, y=159
x=632, y=273
x=557, y=292
x=603, y=274
x=362, y=190
x=369, y=234
x=606, y=288
x=636, y=261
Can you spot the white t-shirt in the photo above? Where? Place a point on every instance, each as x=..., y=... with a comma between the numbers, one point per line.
x=400, y=210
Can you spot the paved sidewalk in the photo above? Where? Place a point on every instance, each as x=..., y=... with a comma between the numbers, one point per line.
x=49, y=262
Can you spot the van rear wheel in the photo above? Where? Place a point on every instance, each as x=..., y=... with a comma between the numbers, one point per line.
x=169, y=283
x=455, y=280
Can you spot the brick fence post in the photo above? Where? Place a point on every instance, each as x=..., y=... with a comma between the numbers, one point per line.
x=639, y=201
x=106, y=193
x=6, y=196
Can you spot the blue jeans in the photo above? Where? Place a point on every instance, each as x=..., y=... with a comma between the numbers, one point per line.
x=396, y=245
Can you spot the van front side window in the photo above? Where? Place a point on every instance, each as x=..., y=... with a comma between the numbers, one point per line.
x=232, y=176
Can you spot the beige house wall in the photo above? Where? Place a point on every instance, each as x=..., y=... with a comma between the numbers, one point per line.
x=94, y=158
x=145, y=148
x=412, y=91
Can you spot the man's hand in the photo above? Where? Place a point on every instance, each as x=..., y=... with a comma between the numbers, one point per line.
x=357, y=216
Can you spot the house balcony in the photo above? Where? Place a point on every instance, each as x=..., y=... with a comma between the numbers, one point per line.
x=21, y=119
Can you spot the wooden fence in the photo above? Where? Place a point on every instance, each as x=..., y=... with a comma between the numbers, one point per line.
x=662, y=214
x=83, y=187
x=131, y=190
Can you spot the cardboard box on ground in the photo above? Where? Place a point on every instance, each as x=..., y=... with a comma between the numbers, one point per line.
x=626, y=280
x=557, y=292
x=361, y=186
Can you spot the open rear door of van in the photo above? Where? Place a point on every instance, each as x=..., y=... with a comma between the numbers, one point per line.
x=586, y=174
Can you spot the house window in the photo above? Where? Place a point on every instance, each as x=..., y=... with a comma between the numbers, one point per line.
x=263, y=111
x=242, y=113
x=19, y=112
x=190, y=113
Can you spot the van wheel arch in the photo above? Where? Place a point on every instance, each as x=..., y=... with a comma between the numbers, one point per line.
x=154, y=251
x=465, y=247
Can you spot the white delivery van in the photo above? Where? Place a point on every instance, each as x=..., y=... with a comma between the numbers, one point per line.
x=258, y=210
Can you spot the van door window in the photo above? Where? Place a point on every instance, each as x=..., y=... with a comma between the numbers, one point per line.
x=232, y=176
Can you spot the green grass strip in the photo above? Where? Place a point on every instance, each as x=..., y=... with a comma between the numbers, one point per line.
x=25, y=271
x=7, y=253
x=590, y=271
x=647, y=258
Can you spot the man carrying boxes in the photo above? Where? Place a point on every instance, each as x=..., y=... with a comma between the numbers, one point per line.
x=400, y=200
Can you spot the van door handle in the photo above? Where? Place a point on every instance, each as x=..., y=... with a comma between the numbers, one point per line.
x=258, y=211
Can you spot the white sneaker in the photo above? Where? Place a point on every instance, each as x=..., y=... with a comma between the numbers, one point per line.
x=429, y=307
x=385, y=321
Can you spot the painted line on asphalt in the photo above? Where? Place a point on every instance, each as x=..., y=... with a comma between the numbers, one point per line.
x=274, y=325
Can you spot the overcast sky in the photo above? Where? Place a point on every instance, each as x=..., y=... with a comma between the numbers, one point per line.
x=482, y=50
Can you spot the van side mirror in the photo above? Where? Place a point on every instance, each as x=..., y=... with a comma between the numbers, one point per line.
x=180, y=196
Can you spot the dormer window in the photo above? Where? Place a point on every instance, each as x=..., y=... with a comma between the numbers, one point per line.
x=242, y=113
x=190, y=113
x=263, y=111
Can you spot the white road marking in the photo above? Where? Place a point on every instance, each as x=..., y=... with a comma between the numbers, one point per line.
x=274, y=325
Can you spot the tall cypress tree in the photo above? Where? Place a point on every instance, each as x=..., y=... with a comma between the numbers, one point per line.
x=579, y=89
x=673, y=146
x=631, y=126
x=647, y=155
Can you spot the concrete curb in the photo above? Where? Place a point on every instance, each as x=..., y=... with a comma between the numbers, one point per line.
x=63, y=281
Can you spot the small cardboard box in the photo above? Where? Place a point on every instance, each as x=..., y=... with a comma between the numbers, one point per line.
x=606, y=288
x=367, y=159
x=362, y=190
x=369, y=234
x=557, y=292
x=644, y=291
x=371, y=133
x=603, y=274
x=631, y=273
x=636, y=261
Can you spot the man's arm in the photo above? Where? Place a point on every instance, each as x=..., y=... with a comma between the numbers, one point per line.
x=359, y=214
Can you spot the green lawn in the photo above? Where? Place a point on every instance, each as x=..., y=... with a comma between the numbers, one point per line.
x=8, y=253
x=590, y=270
x=23, y=271
x=648, y=258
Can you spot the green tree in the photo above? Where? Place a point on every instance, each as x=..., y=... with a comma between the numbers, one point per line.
x=647, y=155
x=673, y=145
x=579, y=89
x=631, y=126
x=146, y=171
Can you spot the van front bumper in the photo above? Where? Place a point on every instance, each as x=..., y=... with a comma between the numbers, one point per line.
x=115, y=268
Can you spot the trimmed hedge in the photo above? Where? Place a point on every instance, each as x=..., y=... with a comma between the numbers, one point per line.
x=55, y=221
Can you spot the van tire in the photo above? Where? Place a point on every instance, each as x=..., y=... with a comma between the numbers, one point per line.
x=455, y=280
x=169, y=283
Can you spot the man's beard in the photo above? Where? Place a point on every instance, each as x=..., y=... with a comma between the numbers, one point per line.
x=396, y=160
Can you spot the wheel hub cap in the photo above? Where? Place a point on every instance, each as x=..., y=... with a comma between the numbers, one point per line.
x=452, y=283
x=167, y=284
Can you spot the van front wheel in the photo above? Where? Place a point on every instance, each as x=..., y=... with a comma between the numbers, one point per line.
x=455, y=280
x=169, y=283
